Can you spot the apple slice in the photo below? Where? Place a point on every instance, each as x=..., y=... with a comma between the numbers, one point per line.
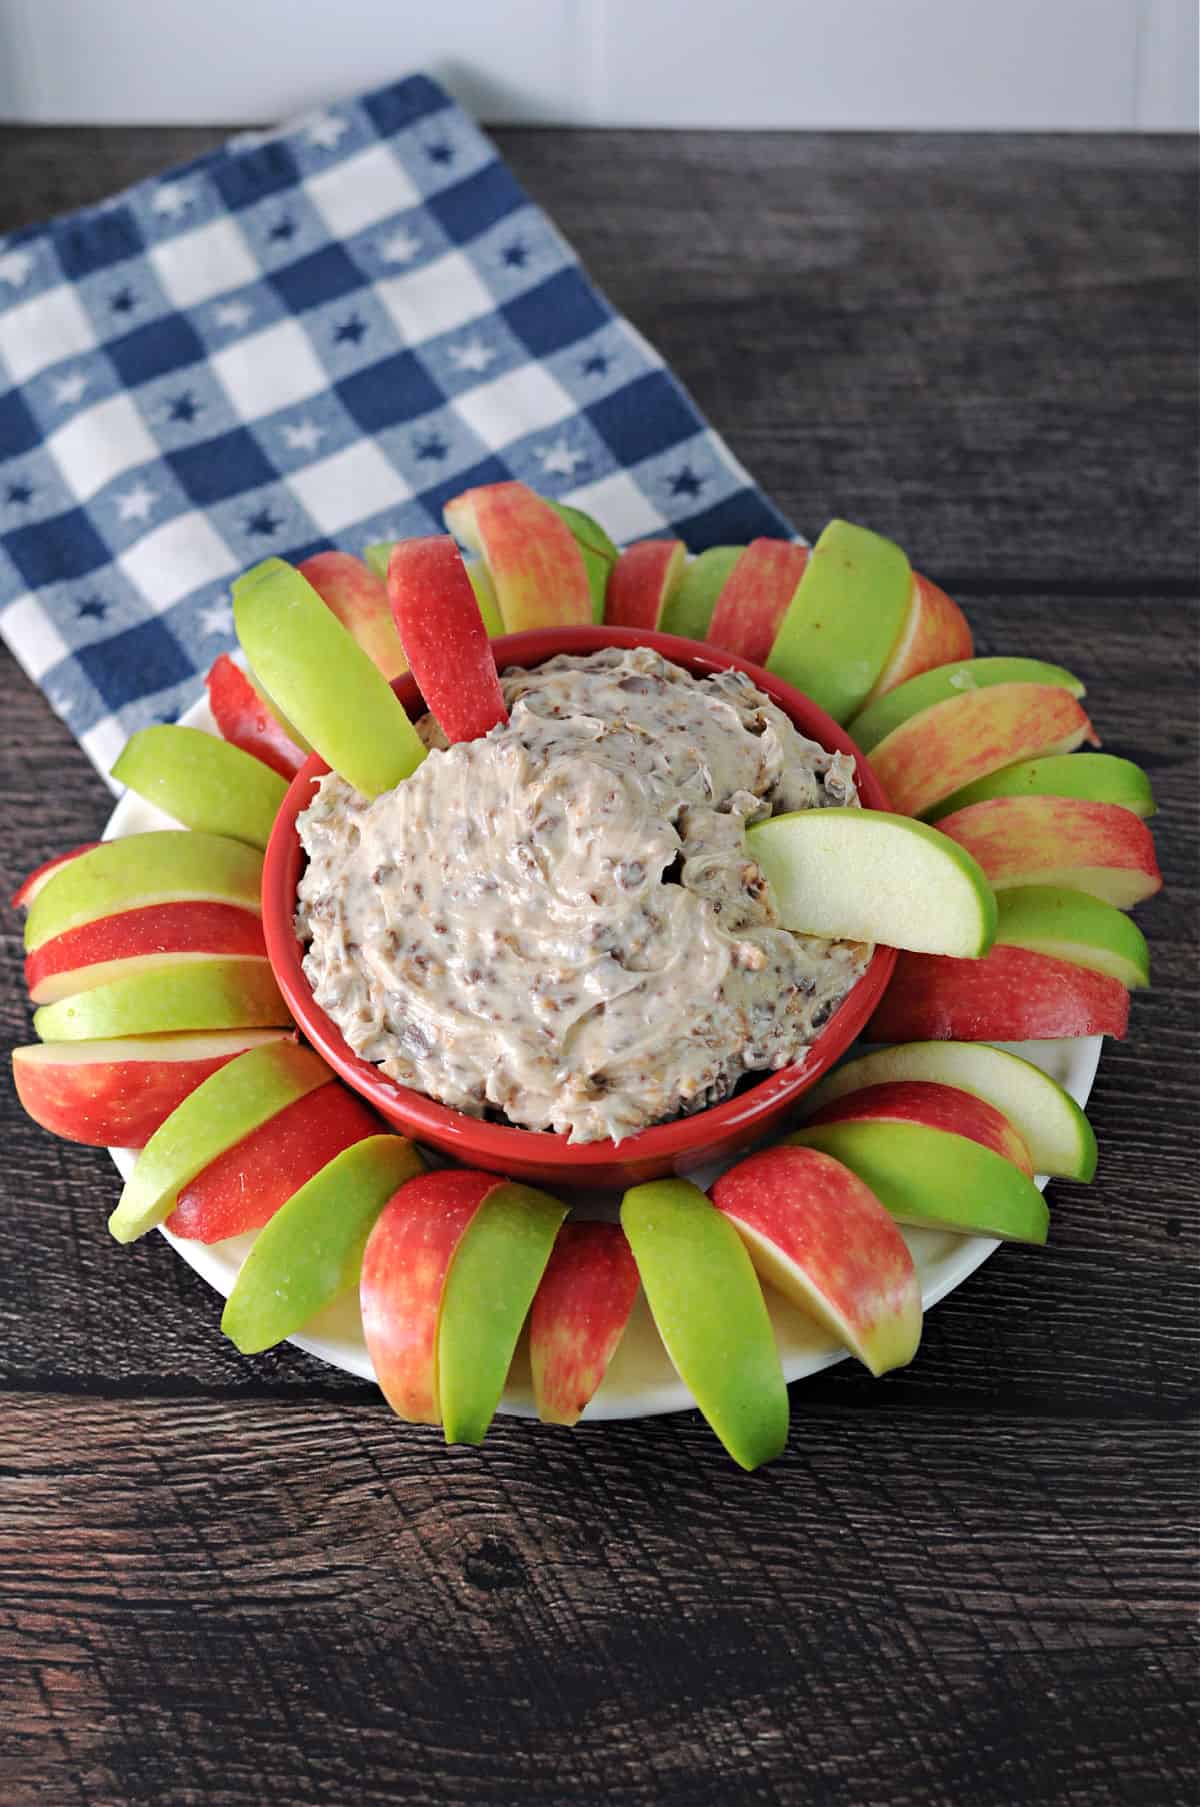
x=644, y=579
x=220, y=1111
x=1073, y=925
x=579, y=1316
x=1095, y=847
x=324, y=680
x=244, y=1187
x=141, y=869
x=358, y=598
x=245, y=719
x=485, y=591
x=874, y=723
x=99, y=951
x=938, y=1106
x=25, y=893
x=846, y=616
x=688, y=609
x=865, y=875
x=598, y=551
x=1093, y=777
x=706, y=1301
x=1050, y=1123
x=755, y=598
x=403, y=1280
x=444, y=638
x=205, y=783
x=934, y=1179
x=311, y=1250
x=115, y=1094
x=935, y=632
x=531, y=554
x=822, y=1239
x=1011, y=996
x=157, y=996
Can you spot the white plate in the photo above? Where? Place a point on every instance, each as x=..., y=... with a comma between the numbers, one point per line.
x=640, y=1381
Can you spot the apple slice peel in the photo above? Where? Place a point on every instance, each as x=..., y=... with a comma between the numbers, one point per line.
x=579, y=1314
x=444, y=637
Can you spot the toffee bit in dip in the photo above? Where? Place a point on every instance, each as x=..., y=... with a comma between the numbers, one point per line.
x=607, y=956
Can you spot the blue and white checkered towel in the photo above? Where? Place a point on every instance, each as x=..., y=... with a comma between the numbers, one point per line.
x=307, y=338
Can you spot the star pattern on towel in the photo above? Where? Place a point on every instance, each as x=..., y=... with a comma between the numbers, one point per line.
x=136, y=504
x=349, y=332
x=92, y=608
x=305, y=436
x=685, y=482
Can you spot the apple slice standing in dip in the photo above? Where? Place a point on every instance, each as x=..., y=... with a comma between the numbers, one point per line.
x=444, y=639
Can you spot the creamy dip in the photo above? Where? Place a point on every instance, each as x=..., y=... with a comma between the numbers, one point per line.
x=560, y=923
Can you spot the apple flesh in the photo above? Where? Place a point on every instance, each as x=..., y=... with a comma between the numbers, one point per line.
x=938, y=1106
x=222, y=1110
x=444, y=638
x=643, y=581
x=98, y=951
x=755, y=598
x=865, y=875
x=244, y=1187
x=935, y=632
x=707, y=1303
x=935, y=1179
x=954, y=742
x=25, y=893
x=846, y=616
x=820, y=1237
x=689, y=608
x=322, y=678
x=358, y=598
x=1011, y=996
x=115, y=1094
x=597, y=550
x=579, y=1316
x=203, y=782
x=1073, y=925
x=245, y=719
x=1050, y=1123
x=141, y=869
x=164, y=994
x=532, y=556
x=958, y=678
x=403, y=1280
x=311, y=1250
x=1099, y=848
x=1094, y=777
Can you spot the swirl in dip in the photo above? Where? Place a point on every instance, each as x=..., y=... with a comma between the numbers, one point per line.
x=559, y=923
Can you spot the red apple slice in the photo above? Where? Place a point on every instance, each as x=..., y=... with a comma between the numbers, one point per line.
x=25, y=893
x=169, y=866
x=444, y=638
x=935, y=632
x=755, y=598
x=246, y=720
x=405, y=1264
x=533, y=557
x=642, y=582
x=1100, y=848
x=95, y=952
x=578, y=1317
x=360, y=601
x=966, y=737
x=245, y=1186
x=1011, y=995
x=936, y=1105
x=817, y=1234
x=114, y=1094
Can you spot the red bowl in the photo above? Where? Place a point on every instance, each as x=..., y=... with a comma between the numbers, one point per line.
x=542, y=1157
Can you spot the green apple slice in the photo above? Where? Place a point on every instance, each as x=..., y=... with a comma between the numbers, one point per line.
x=311, y=1251
x=203, y=782
x=1091, y=777
x=935, y=1179
x=865, y=875
x=490, y=1286
x=140, y=869
x=876, y=721
x=688, y=610
x=599, y=552
x=225, y=1107
x=196, y=991
x=1074, y=926
x=707, y=1303
x=1058, y=1136
x=323, y=680
x=847, y=614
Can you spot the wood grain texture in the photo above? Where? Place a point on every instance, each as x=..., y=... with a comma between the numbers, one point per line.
x=224, y=1581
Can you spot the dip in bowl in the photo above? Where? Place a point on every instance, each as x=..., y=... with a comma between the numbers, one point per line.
x=573, y=1148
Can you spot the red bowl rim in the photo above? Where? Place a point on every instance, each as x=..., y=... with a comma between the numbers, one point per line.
x=497, y=1146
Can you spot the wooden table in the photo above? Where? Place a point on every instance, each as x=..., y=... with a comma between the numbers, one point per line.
x=230, y=1581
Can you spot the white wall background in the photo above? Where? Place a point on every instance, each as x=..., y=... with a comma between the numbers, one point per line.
x=1116, y=65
